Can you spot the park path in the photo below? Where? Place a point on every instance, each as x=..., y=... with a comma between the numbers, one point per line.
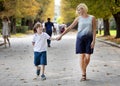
x=17, y=69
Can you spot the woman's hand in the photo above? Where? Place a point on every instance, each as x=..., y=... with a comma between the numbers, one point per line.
x=92, y=44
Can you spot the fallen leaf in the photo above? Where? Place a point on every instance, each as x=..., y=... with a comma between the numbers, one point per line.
x=21, y=79
x=59, y=84
x=7, y=68
x=108, y=73
x=105, y=65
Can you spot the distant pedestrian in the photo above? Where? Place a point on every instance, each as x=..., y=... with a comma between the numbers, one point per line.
x=40, y=49
x=48, y=27
x=85, y=37
x=6, y=30
x=63, y=26
x=56, y=30
x=100, y=25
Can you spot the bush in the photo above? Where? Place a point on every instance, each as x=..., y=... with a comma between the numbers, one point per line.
x=113, y=27
x=21, y=29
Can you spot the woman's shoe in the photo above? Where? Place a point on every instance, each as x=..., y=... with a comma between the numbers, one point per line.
x=83, y=78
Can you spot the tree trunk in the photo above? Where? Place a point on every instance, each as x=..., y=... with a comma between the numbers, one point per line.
x=0, y=23
x=13, y=25
x=23, y=22
x=2, y=6
x=117, y=20
x=29, y=23
x=106, y=27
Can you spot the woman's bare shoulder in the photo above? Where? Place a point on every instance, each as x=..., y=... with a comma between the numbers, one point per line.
x=77, y=18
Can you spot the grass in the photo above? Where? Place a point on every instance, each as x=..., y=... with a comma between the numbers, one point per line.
x=109, y=38
x=112, y=33
x=18, y=35
x=22, y=34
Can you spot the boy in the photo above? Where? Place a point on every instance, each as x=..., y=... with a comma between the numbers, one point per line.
x=40, y=49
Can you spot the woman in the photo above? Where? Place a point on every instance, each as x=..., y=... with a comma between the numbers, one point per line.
x=6, y=30
x=86, y=35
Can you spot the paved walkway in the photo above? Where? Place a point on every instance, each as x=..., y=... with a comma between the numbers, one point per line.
x=17, y=69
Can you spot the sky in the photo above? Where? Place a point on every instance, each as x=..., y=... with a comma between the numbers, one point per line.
x=57, y=2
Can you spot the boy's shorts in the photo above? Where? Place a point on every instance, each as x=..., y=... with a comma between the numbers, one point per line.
x=40, y=58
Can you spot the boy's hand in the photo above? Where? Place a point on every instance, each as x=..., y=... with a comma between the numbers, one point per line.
x=53, y=39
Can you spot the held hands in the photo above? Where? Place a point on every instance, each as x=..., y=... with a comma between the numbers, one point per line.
x=57, y=38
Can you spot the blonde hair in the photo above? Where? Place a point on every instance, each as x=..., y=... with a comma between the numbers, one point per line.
x=84, y=6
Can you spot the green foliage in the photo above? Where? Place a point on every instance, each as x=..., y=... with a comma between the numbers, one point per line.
x=59, y=20
x=27, y=8
x=112, y=23
x=46, y=9
x=99, y=8
x=21, y=29
x=20, y=8
x=67, y=12
x=18, y=22
x=112, y=32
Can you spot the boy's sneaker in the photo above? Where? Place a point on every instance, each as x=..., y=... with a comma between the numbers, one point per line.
x=43, y=77
x=38, y=72
x=49, y=45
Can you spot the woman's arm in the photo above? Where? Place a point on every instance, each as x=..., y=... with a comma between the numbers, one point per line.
x=94, y=31
x=69, y=28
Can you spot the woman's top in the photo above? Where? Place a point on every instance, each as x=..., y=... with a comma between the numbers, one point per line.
x=85, y=26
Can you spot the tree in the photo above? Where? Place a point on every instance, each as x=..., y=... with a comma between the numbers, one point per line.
x=100, y=9
x=115, y=9
x=46, y=9
x=19, y=9
x=67, y=11
x=26, y=10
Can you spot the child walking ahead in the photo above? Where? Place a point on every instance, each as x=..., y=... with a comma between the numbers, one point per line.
x=40, y=49
x=6, y=30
